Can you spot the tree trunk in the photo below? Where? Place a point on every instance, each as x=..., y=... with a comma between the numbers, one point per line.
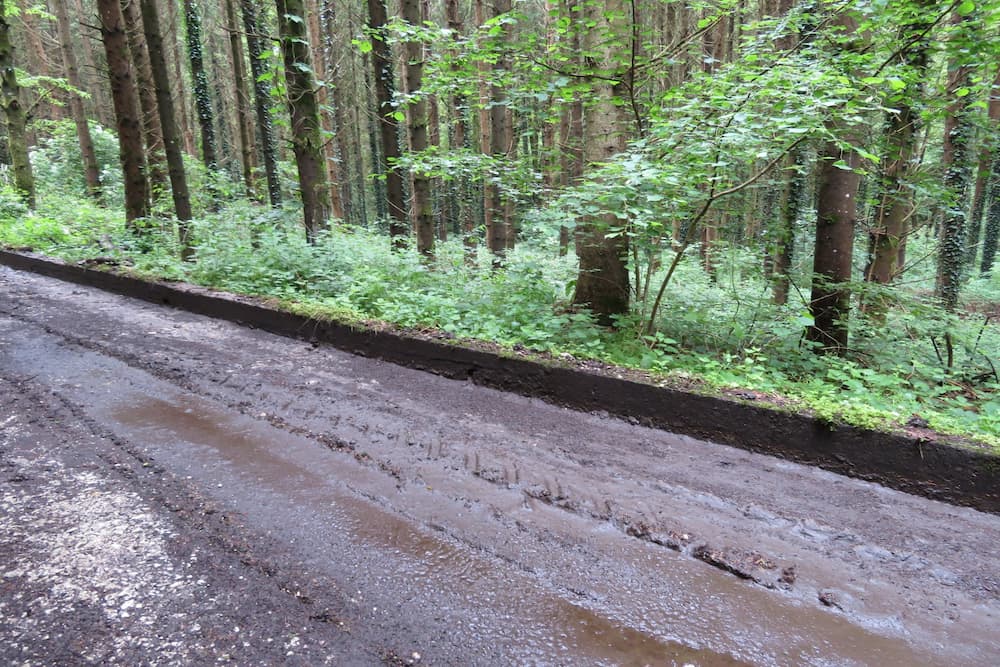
x=483, y=118
x=243, y=121
x=203, y=103
x=37, y=61
x=90, y=169
x=151, y=129
x=172, y=138
x=836, y=216
x=991, y=234
x=262, y=102
x=17, y=124
x=603, y=280
x=781, y=252
x=895, y=206
x=388, y=123
x=182, y=100
x=990, y=148
x=100, y=101
x=325, y=96
x=460, y=140
x=783, y=238
x=958, y=130
x=126, y=103
x=307, y=140
x=424, y=220
x=346, y=161
x=498, y=225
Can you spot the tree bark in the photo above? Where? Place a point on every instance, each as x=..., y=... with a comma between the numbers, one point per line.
x=958, y=130
x=836, y=217
x=37, y=61
x=126, y=104
x=262, y=102
x=991, y=233
x=172, y=137
x=498, y=227
x=326, y=100
x=151, y=129
x=990, y=148
x=895, y=205
x=603, y=280
x=99, y=104
x=781, y=252
x=459, y=140
x=17, y=123
x=422, y=206
x=91, y=171
x=483, y=118
x=388, y=124
x=243, y=120
x=203, y=102
x=307, y=140
x=991, y=200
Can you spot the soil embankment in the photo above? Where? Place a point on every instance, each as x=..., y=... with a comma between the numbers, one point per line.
x=923, y=464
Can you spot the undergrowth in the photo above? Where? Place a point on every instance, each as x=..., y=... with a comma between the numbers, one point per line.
x=720, y=334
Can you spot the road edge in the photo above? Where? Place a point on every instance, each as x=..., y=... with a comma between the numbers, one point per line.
x=919, y=466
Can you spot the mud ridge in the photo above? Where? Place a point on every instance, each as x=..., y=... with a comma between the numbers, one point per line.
x=932, y=468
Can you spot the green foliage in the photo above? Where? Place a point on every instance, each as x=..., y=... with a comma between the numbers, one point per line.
x=724, y=332
x=58, y=165
x=707, y=150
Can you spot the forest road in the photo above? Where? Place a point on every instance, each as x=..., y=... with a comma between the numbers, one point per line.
x=180, y=490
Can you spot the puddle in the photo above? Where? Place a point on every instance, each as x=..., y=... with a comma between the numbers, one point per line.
x=559, y=628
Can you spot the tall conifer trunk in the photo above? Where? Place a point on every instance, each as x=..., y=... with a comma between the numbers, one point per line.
x=422, y=206
x=172, y=138
x=17, y=122
x=243, y=121
x=126, y=103
x=151, y=127
x=325, y=95
x=262, y=101
x=603, y=280
x=91, y=171
x=895, y=206
x=499, y=226
x=307, y=140
x=203, y=102
x=836, y=217
x=958, y=129
x=388, y=125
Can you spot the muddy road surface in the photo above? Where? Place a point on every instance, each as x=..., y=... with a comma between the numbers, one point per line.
x=180, y=490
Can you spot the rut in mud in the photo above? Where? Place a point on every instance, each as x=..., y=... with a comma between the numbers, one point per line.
x=468, y=526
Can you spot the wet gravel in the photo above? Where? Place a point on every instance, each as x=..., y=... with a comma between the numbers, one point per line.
x=108, y=560
x=168, y=478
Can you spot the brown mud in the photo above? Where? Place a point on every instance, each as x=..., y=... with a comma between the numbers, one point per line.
x=462, y=525
x=922, y=463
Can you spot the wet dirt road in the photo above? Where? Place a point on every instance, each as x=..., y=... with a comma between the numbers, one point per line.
x=265, y=501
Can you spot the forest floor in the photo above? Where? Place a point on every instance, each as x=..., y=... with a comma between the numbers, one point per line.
x=180, y=490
